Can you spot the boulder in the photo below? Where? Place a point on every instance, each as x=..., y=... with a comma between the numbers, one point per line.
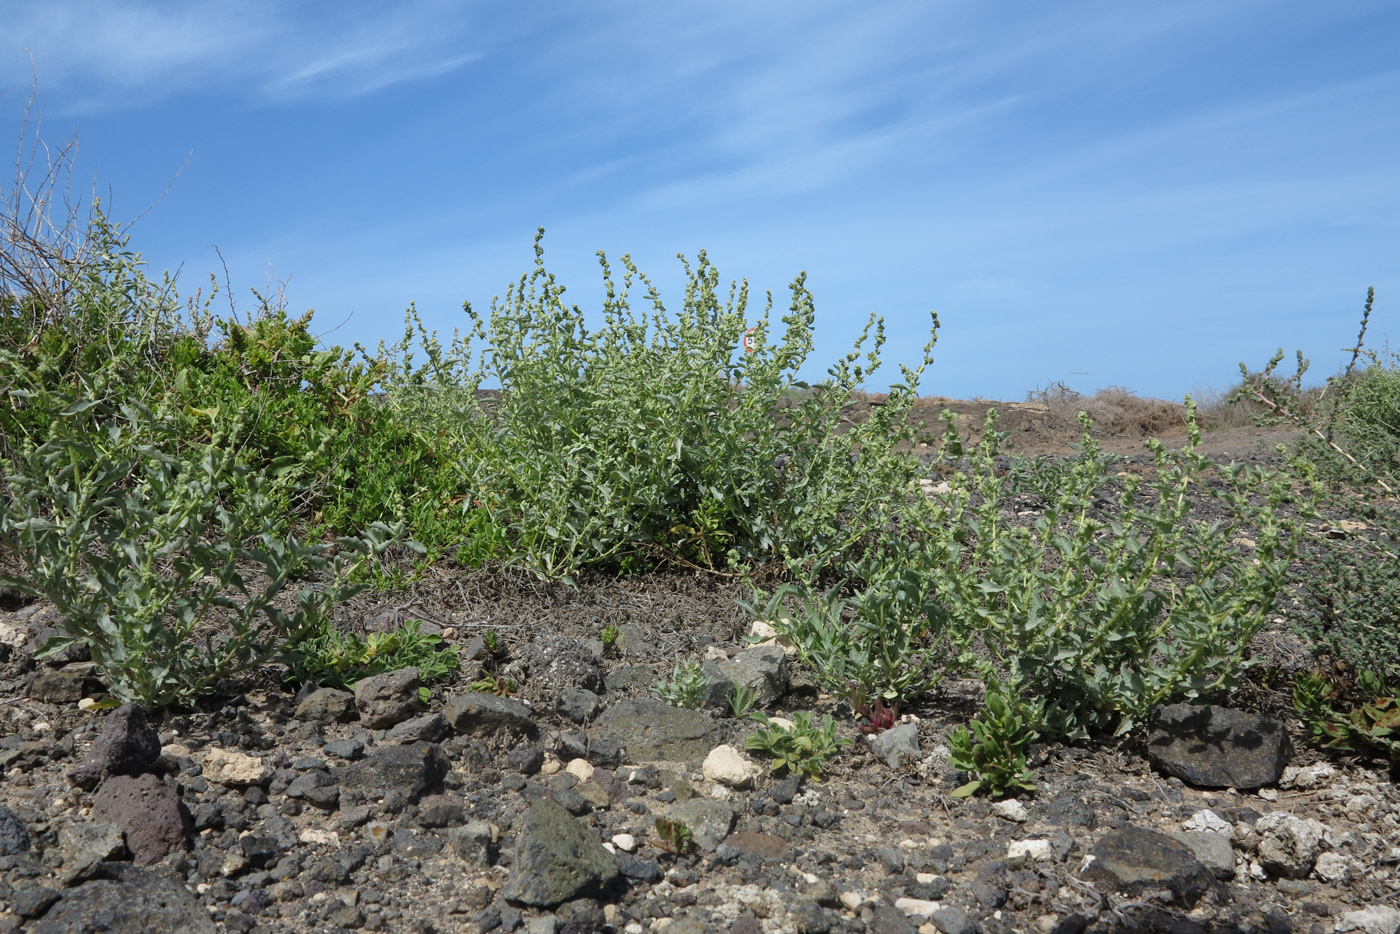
x=1216, y=747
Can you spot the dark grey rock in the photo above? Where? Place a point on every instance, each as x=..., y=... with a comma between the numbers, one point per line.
x=126, y=746
x=389, y=699
x=14, y=838
x=553, y=664
x=429, y=728
x=479, y=714
x=642, y=870
x=66, y=685
x=1216, y=747
x=31, y=903
x=806, y=912
x=650, y=729
x=399, y=773
x=345, y=748
x=579, y=705
x=134, y=902
x=326, y=705
x=557, y=858
x=441, y=811
x=953, y=920
x=710, y=821
x=896, y=744
x=148, y=811
x=1070, y=810
x=306, y=782
x=82, y=846
x=1212, y=849
x=762, y=669
x=474, y=842
x=1134, y=860
x=629, y=677
x=887, y=919
x=526, y=760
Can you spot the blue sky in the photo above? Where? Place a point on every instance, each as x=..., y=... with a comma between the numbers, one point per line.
x=1099, y=193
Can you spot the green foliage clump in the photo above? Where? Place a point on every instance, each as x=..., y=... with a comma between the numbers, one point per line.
x=1369, y=723
x=652, y=439
x=878, y=643
x=1100, y=616
x=805, y=747
x=995, y=747
x=332, y=658
x=143, y=547
x=686, y=688
x=1353, y=589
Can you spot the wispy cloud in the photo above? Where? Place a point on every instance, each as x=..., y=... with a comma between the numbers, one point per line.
x=106, y=56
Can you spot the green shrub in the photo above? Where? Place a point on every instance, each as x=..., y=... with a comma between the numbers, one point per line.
x=1102, y=615
x=145, y=551
x=1352, y=585
x=651, y=439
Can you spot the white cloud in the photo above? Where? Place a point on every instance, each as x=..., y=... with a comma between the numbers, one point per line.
x=109, y=55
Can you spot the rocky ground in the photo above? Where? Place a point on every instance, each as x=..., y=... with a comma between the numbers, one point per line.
x=270, y=811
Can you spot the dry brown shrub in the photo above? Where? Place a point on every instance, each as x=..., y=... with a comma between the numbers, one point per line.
x=1114, y=410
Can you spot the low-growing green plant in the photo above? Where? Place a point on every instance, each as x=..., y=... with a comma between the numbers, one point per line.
x=995, y=748
x=1367, y=724
x=1101, y=614
x=491, y=639
x=802, y=748
x=686, y=688
x=883, y=641
x=609, y=636
x=742, y=699
x=142, y=550
x=492, y=683
x=674, y=837
x=338, y=659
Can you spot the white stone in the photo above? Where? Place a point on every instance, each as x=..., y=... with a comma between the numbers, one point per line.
x=225, y=767
x=319, y=837
x=624, y=842
x=1207, y=821
x=763, y=633
x=1374, y=919
x=917, y=907
x=1306, y=776
x=924, y=877
x=580, y=769
x=1020, y=852
x=1289, y=844
x=781, y=722
x=551, y=765
x=87, y=703
x=727, y=765
x=1011, y=810
x=1268, y=794
x=607, y=845
x=852, y=900
x=1332, y=867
